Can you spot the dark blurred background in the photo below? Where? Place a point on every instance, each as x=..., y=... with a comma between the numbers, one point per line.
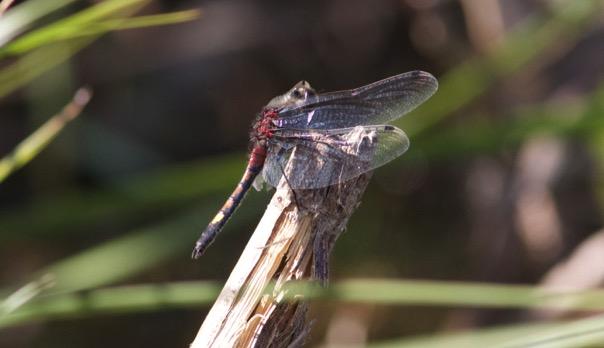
x=502, y=183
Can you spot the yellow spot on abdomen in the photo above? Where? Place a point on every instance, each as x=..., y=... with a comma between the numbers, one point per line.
x=217, y=218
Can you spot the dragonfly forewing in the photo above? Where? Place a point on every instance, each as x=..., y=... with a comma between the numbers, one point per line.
x=376, y=103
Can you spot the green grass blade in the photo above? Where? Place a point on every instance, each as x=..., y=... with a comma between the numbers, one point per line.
x=38, y=62
x=37, y=141
x=25, y=294
x=43, y=59
x=464, y=294
x=64, y=303
x=577, y=333
x=136, y=252
x=72, y=30
x=126, y=256
x=24, y=15
x=137, y=298
x=88, y=16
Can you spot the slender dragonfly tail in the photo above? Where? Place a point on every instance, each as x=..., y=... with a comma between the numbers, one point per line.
x=224, y=214
x=204, y=241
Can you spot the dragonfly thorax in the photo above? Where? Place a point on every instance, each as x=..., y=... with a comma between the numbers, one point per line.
x=263, y=126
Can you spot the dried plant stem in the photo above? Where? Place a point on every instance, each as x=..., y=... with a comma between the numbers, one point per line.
x=292, y=242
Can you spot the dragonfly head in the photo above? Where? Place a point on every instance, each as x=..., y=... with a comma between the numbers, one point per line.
x=294, y=97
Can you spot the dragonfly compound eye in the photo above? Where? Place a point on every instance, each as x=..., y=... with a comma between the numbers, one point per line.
x=299, y=93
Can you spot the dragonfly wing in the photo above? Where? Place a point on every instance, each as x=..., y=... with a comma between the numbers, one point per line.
x=376, y=103
x=307, y=163
x=277, y=156
x=325, y=158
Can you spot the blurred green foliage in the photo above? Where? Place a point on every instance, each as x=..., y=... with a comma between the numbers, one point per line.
x=579, y=333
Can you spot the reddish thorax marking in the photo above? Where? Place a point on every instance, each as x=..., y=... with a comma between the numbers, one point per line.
x=265, y=128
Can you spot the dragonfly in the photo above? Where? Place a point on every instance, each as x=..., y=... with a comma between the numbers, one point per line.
x=327, y=127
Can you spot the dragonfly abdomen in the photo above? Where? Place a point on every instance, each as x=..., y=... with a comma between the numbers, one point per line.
x=254, y=167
